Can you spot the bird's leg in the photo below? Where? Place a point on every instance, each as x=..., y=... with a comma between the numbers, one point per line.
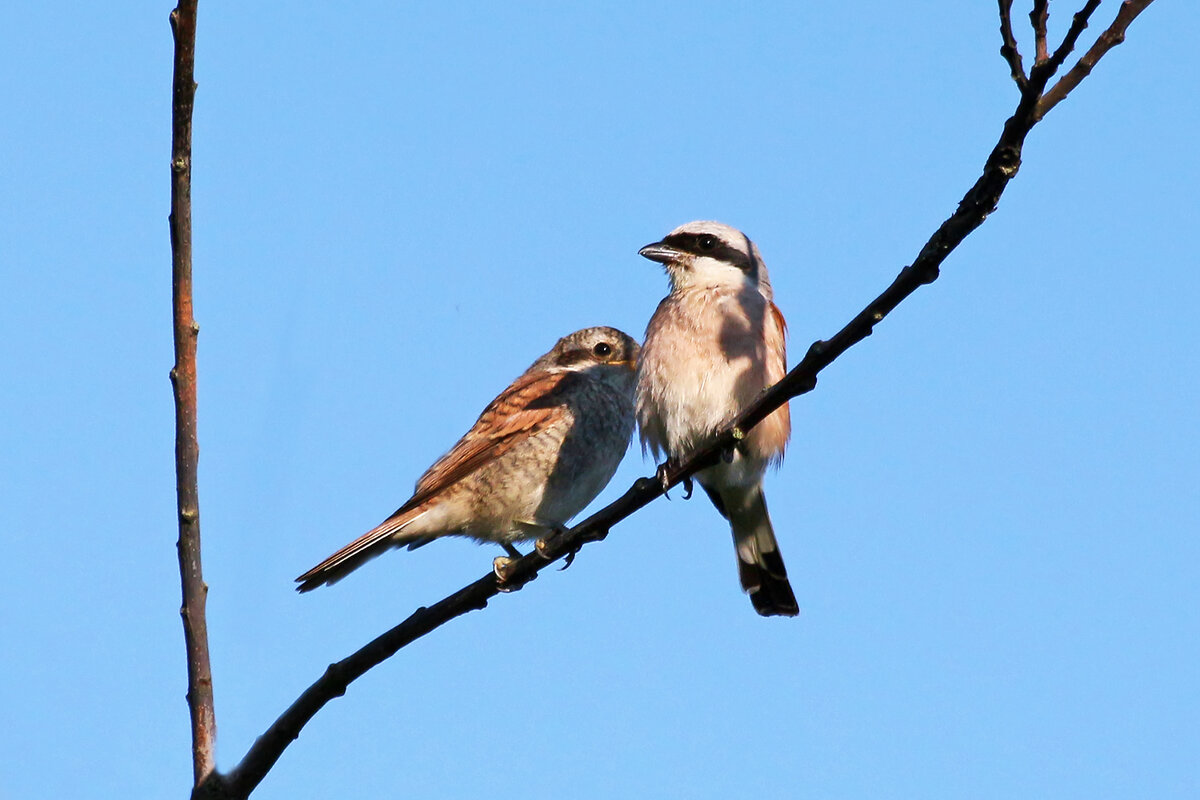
x=512, y=551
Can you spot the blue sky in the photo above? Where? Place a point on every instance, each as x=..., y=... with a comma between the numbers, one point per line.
x=989, y=509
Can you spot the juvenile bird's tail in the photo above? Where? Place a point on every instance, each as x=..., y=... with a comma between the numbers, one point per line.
x=760, y=565
x=360, y=551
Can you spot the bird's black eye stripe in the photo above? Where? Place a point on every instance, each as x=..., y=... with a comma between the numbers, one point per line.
x=705, y=244
x=603, y=349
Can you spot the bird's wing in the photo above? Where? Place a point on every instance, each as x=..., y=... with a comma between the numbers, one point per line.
x=770, y=436
x=776, y=339
x=530, y=405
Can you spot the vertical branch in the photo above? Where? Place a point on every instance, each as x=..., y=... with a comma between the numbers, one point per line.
x=183, y=380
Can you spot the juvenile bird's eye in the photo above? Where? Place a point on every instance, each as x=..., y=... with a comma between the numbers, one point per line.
x=707, y=242
x=603, y=349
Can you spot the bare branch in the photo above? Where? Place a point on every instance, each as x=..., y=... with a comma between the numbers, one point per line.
x=1038, y=17
x=1107, y=41
x=1001, y=166
x=183, y=380
x=1009, y=47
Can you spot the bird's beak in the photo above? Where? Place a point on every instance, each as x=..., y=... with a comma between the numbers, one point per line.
x=662, y=253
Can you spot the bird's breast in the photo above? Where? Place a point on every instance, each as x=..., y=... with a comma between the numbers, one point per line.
x=702, y=362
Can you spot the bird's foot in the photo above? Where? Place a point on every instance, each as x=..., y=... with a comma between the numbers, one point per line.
x=543, y=548
x=504, y=567
x=663, y=475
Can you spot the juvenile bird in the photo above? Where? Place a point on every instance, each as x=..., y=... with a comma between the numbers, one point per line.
x=714, y=343
x=537, y=455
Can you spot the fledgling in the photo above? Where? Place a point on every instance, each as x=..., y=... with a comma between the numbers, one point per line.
x=714, y=343
x=537, y=455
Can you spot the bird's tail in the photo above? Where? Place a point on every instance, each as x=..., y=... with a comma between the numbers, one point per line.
x=361, y=550
x=760, y=565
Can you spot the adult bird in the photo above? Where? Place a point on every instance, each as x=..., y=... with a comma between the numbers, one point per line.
x=714, y=343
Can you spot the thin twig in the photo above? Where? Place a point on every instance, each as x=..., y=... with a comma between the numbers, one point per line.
x=1079, y=24
x=1038, y=17
x=1107, y=41
x=1001, y=166
x=1008, y=45
x=183, y=380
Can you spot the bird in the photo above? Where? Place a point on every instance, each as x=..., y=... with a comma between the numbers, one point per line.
x=714, y=343
x=537, y=455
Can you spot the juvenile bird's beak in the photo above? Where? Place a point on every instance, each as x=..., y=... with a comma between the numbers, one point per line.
x=662, y=253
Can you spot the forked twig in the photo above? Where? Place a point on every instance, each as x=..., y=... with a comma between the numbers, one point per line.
x=1079, y=24
x=1106, y=41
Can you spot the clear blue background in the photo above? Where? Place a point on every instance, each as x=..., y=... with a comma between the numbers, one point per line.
x=989, y=510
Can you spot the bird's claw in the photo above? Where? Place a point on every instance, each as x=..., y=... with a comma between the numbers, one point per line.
x=688, y=486
x=660, y=475
x=503, y=567
x=663, y=475
x=570, y=559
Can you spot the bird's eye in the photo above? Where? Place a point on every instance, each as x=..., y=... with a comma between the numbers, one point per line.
x=604, y=349
x=706, y=242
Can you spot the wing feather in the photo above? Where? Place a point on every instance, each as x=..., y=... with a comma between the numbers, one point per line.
x=528, y=406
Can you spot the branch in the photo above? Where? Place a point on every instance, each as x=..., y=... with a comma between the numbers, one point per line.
x=1008, y=46
x=183, y=380
x=1001, y=166
x=1107, y=41
x=1037, y=18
